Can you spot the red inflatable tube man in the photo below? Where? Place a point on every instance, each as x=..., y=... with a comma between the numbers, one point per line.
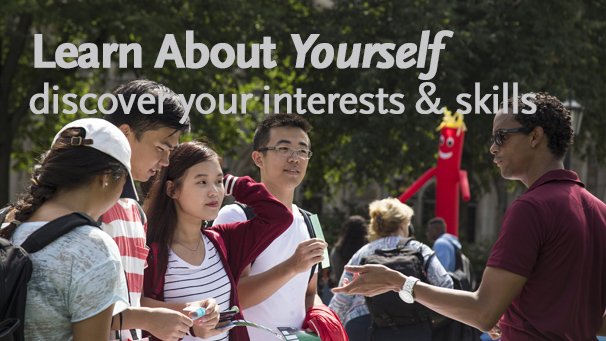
x=448, y=175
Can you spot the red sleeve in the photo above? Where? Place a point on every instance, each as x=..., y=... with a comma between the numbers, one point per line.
x=149, y=277
x=246, y=240
x=519, y=241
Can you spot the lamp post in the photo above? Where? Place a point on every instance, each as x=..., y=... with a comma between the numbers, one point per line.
x=576, y=113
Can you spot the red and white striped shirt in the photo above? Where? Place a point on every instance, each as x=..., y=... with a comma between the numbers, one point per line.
x=123, y=223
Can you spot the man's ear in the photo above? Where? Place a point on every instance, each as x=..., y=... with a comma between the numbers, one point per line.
x=538, y=135
x=125, y=128
x=257, y=159
x=170, y=189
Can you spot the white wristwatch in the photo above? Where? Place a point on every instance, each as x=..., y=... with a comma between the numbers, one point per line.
x=406, y=293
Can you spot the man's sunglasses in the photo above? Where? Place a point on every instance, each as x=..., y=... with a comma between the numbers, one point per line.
x=500, y=136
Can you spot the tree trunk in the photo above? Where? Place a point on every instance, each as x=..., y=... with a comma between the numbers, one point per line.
x=9, y=122
x=6, y=140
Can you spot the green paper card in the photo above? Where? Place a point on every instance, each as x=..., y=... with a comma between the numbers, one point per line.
x=292, y=334
x=315, y=222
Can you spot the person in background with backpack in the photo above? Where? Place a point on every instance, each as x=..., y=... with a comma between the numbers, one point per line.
x=443, y=243
x=280, y=286
x=77, y=282
x=448, y=251
x=389, y=220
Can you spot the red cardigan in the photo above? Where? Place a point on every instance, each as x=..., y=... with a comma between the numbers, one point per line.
x=238, y=244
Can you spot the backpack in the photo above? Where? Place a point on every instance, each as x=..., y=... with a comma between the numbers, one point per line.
x=16, y=270
x=463, y=278
x=306, y=216
x=388, y=310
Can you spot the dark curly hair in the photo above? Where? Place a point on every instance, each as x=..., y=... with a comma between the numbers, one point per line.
x=552, y=116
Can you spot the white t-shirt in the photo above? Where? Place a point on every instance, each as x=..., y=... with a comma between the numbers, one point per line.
x=286, y=307
x=74, y=278
x=184, y=282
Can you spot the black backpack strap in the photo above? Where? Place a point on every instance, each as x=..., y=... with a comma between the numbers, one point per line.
x=427, y=263
x=55, y=229
x=403, y=242
x=250, y=213
x=458, y=256
x=141, y=213
x=312, y=234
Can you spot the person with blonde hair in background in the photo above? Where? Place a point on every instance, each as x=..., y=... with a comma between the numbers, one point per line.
x=389, y=220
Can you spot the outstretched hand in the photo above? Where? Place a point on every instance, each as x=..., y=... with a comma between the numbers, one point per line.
x=371, y=280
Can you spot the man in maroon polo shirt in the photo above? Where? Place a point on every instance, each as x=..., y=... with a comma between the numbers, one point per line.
x=546, y=275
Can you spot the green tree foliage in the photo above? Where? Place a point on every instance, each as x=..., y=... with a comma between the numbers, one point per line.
x=555, y=46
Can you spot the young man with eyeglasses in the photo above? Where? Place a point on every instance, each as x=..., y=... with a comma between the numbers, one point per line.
x=546, y=275
x=276, y=289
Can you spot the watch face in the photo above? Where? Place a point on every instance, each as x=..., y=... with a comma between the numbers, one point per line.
x=406, y=296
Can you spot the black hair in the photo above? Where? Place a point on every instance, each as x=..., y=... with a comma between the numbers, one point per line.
x=173, y=109
x=552, y=116
x=159, y=207
x=64, y=166
x=411, y=230
x=261, y=137
x=352, y=237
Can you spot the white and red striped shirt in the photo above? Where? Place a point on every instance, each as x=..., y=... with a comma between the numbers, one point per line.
x=123, y=222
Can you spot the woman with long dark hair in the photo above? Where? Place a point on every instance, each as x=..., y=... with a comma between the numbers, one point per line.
x=351, y=239
x=77, y=282
x=188, y=265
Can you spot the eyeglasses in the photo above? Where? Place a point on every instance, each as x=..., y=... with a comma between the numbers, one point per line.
x=289, y=151
x=499, y=136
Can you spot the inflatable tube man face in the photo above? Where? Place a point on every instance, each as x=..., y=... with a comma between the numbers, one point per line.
x=452, y=134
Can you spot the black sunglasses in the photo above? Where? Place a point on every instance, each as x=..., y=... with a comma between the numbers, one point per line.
x=499, y=137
